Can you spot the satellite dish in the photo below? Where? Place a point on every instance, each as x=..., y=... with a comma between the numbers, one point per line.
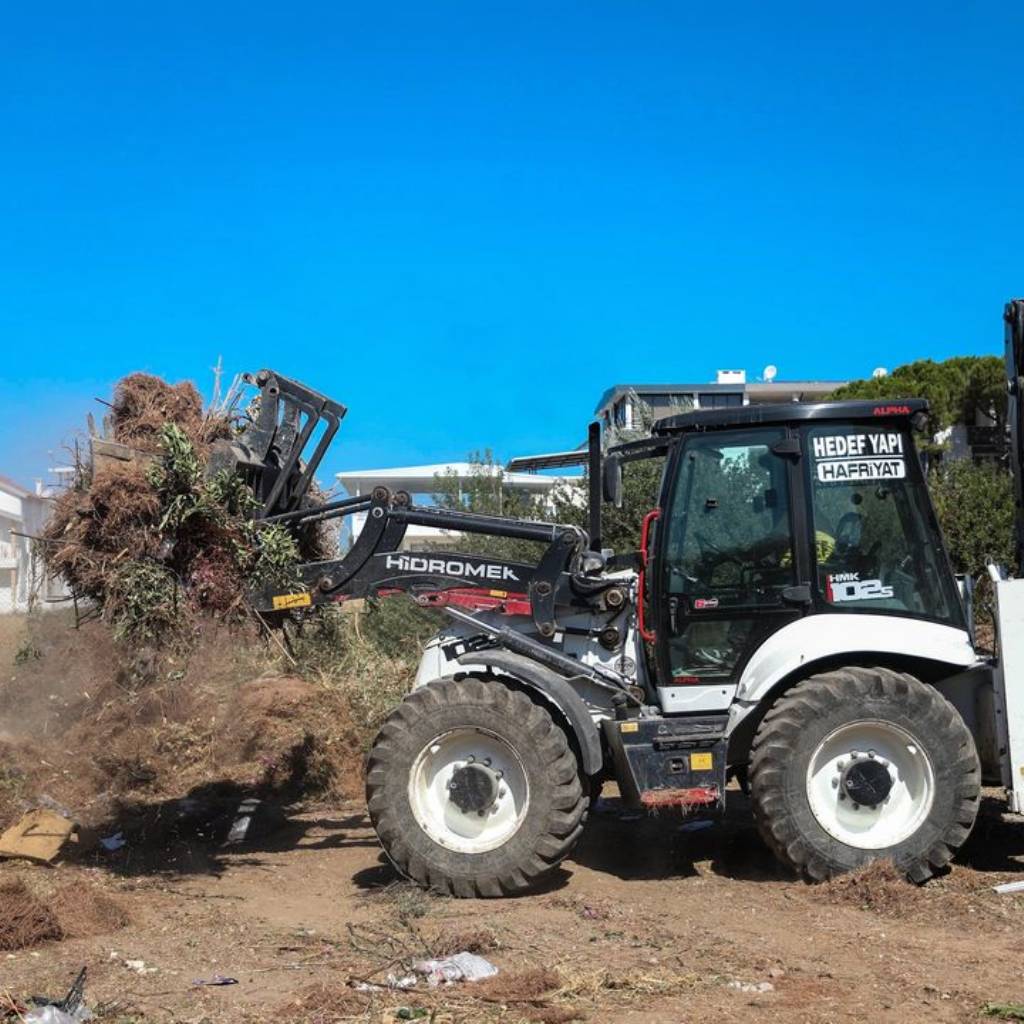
x=879, y=372
x=770, y=372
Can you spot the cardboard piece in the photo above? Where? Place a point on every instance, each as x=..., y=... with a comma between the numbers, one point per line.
x=38, y=836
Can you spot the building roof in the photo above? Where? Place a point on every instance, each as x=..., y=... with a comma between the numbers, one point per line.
x=423, y=479
x=810, y=387
x=9, y=485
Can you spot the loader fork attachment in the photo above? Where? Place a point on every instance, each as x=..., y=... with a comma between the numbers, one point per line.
x=270, y=451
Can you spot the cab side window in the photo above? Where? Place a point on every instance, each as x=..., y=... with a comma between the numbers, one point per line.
x=876, y=548
x=729, y=531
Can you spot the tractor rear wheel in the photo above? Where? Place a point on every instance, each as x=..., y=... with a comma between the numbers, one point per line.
x=864, y=764
x=473, y=789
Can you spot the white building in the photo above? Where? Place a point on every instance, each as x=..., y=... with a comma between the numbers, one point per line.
x=729, y=390
x=24, y=584
x=421, y=482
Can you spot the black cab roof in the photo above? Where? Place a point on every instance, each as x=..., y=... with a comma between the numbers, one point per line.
x=789, y=412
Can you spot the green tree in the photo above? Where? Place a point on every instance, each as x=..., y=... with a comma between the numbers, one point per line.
x=487, y=491
x=974, y=504
x=957, y=389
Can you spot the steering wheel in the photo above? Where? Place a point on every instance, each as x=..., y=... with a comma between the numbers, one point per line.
x=849, y=531
x=714, y=553
x=849, y=537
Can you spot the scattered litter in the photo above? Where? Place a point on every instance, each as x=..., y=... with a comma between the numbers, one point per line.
x=392, y=981
x=38, y=836
x=253, y=820
x=751, y=987
x=50, y=1015
x=139, y=967
x=696, y=826
x=47, y=801
x=69, y=1010
x=217, y=979
x=457, y=967
x=114, y=842
x=1008, y=887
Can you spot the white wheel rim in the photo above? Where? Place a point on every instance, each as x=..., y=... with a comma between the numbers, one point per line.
x=432, y=803
x=909, y=800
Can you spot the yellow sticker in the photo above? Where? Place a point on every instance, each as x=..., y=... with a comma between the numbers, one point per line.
x=629, y=727
x=498, y=593
x=701, y=762
x=302, y=600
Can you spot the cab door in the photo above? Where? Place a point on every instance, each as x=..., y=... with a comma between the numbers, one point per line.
x=731, y=560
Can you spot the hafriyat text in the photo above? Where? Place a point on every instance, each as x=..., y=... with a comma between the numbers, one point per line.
x=451, y=567
x=851, y=457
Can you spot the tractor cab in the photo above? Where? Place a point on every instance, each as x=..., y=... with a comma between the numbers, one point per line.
x=774, y=513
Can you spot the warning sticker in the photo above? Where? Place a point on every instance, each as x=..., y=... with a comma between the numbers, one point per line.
x=282, y=601
x=845, y=458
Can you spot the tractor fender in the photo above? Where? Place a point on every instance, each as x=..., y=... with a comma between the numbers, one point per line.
x=556, y=690
x=795, y=648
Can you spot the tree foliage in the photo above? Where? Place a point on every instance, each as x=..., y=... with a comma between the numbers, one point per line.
x=487, y=491
x=974, y=504
x=957, y=389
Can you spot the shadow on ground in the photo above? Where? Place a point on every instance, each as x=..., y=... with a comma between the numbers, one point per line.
x=192, y=836
x=643, y=845
x=216, y=825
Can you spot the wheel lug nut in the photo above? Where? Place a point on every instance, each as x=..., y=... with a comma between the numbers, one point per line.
x=487, y=762
x=840, y=765
x=835, y=782
x=871, y=753
x=856, y=807
x=842, y=795
x=500, y=774
x=470, y=759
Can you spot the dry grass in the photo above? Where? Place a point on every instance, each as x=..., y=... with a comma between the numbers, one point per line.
x=143, y=404
x=84, y=910
x=878, y=886
x=31, y=915
x=25, y=920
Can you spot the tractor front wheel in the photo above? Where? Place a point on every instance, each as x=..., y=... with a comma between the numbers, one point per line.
x=864, y=764
x=473, y=789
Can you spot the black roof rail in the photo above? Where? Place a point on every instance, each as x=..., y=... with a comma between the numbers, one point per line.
x=790, y=412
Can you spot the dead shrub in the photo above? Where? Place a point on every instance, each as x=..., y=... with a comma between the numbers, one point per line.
x=477, y=940
x=319, y=1004
x=144, y=404
x=84, y=911
x=531, y=985
x=25, y=921
x=879, y=885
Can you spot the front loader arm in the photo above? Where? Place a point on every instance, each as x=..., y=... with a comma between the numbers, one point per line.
x=376, y=565
x=270, y=452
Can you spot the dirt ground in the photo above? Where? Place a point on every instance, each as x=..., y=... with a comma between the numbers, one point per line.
x=649, y=921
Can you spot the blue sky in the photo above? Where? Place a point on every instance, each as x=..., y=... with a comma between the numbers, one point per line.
x=465, y=220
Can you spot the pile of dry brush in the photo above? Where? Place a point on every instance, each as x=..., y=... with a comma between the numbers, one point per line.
x=155, y=540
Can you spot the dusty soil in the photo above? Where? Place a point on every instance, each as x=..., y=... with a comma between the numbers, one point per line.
x=649, y=921
x=645, y=923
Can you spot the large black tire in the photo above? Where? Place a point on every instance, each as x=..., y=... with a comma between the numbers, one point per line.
x=801, y=720
x=553, y=818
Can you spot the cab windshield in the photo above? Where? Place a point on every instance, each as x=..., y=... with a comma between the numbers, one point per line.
x=877, y=546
